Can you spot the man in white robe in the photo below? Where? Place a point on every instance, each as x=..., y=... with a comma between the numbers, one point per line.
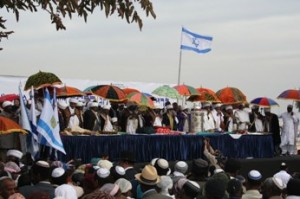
x=218, y=117
x=289, y=131
x=242, y=118
x=208, y=119
x=196, y=120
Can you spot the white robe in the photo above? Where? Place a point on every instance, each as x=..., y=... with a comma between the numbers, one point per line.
x=208, y=121
x=242, y=118
x=289, y=131
x=218, y=119
x=196, y=121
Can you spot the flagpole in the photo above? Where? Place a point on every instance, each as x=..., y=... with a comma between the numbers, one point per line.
x=180, y=55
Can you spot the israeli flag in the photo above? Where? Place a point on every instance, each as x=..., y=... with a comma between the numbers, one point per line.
x=195, y=42
x=48, y=125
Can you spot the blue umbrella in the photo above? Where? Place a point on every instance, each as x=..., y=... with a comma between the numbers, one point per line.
x=264, y=102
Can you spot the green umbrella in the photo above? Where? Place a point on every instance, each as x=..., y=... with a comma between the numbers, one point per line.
x=166, y=91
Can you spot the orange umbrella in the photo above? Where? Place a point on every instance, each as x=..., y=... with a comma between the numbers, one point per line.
x=290, y=94
x=68, y=91
x=186, y=90
x=231, y=95
x=206, y=95
x=127, y=91
x=7, y=125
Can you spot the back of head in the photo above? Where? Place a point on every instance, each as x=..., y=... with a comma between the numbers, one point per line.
x=214, y=189
x=200, y=167
x=41, y=170
x=254, y=178
x=271, y=187
x=234, y=188
x=191, y=189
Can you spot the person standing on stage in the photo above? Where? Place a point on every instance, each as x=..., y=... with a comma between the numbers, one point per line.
x=242, y=118
x=272, y=126
x=256, y=120
x=169, y=118
x=289, y=131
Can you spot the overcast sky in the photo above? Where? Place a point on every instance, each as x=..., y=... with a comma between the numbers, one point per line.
x=255, y=46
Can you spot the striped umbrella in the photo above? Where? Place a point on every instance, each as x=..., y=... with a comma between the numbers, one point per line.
x=264, y=102
x=110, y=92
x=186, y=90
x=206, y=95
x=231, y=95
x=291, y=94
x=140, y=99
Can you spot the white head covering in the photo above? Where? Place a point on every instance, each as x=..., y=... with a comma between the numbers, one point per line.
x=110, y=189
x=66, y=191
x=217, y=105
x=124, y=185
x=114, y=119
x=106, y=106
x=15, y=153
x=93, y=104
x=62, y=104
x=105, y=164
x=7, y=103
x=228, y=107
x=103, y=173
x=79, y=104
x=73, y=100
x=165, y=183
x=57, y=172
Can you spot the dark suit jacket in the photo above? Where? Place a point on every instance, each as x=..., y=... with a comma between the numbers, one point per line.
x=130, y=174
x=39, y=187
x=89, y=120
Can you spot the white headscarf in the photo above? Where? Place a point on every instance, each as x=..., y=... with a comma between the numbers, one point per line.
x=66, y=191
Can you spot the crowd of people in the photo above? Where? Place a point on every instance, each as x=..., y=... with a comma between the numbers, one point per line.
x=202, y=117
x=207, y=178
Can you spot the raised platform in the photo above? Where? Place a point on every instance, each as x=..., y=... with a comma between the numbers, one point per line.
x=170, y=147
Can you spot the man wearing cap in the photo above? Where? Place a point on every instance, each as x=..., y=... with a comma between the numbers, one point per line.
x=229, y=119
x=184, y=119
x=283, y=174
x=8, y=111
x=289, y=131
x=106, y=121
x=91, y=118
x=71, y=118
x=218, y=117
x=148, y=180
x=40, y=179
x=79, y=112
x=256, y=120
x=196, y=119
x=253, y=185
x=242, y=119
x=208, y=119
x=14, y=155
x=272, y=126
x=169, y=118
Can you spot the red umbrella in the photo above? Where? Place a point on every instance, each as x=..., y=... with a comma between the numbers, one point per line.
x=206, y=95
x=186, y=90
x=231, y=95
x=8, y=97
x=68, y=91
x=9, y=126
x=130, y=90
x=291, y=94
x=110, y=92
x=141, y=99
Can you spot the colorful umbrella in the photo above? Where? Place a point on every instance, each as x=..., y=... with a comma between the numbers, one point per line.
x=291, y=94
x=140, y=99
x=264, y=102
x=8, y=97
x=68, y=91
x=110, y=92
x=206, y=95
x=9, y=126
x=231, y=95
x=41, y=80
x=130, y=90
x=166, y=91
x=88, y=90
x=186, y=90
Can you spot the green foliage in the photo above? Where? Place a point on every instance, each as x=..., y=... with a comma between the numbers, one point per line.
x=41, y=78
x=59, y=9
